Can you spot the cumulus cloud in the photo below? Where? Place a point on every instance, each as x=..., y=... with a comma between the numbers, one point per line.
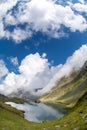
x=5, y=6
x=74, y=62
x=34, y=73
x=19, y=20
x=37, y=76
x=80, y=7
x=19, y=35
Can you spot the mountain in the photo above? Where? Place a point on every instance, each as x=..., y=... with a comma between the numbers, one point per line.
x=76, y=119
x=69, y=89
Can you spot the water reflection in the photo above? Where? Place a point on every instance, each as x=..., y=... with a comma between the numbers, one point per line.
x=37, y=112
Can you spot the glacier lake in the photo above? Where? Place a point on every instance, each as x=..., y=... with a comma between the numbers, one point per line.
x=39, y=112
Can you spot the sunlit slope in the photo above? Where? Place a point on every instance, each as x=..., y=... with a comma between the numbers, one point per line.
x=74, y=120
x=70, y=89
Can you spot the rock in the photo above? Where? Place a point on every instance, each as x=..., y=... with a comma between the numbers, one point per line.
x=65, y=125
x=85, y=116
x=57, y=126
x=44, y=128
x=80, y=111
x=86, y=121
x=37, y=101
x=76, y=129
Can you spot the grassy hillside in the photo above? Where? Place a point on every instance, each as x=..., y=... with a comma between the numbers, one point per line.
x=10, y=119
x=69, y=89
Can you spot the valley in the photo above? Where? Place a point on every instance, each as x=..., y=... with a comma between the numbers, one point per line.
x=71, y=92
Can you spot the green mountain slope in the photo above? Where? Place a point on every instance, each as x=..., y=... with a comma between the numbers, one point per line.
x=10, y=119
x=69, y=89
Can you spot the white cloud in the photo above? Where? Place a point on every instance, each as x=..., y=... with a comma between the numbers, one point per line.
x=32, y=65
x=74, y=62
x=46, y=16
x=82, y=1
x=3, y=69
x=80, y=7
x=2, y=32
x=10, y=19
x=14, y=61
x=19, y=35
x=5, y=6
x=44, y=55
x=36, y=72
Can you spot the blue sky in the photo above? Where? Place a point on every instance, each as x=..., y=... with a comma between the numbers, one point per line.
x=40, y=39
x=57, y=50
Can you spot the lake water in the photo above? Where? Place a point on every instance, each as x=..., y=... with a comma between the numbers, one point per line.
x=37, y=112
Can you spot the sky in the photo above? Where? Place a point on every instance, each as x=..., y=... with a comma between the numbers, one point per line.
x=40, y=42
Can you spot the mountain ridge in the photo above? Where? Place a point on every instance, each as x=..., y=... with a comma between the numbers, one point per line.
x=76, y=119
x=69, y=89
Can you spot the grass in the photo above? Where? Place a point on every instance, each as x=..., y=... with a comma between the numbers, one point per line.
x=76, y=119
x=70, y=92
x=11, y=109
x=11, y=99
